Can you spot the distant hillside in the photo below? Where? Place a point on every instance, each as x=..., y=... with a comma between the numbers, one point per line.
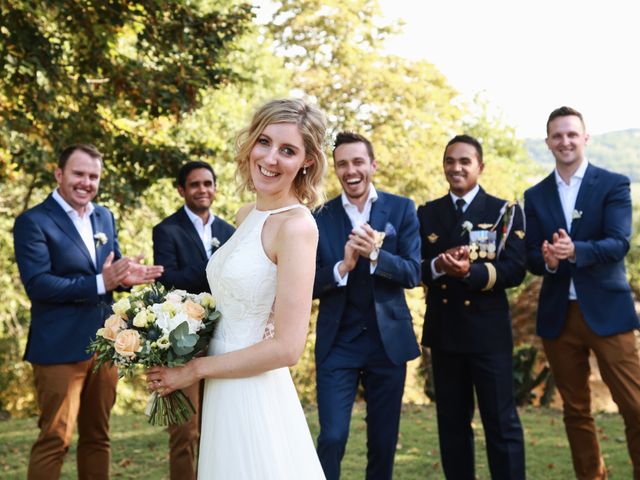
x=617, y=151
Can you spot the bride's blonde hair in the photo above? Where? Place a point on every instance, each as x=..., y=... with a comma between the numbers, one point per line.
x=311, y=125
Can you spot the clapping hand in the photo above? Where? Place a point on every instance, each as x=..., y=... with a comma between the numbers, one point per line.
x=139, y=273
x=128, y=271
x=361, y=242
x=454, y=262
x=363, y=239
x=560, y=248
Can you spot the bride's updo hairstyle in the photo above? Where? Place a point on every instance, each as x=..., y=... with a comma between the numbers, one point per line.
x=311, y=125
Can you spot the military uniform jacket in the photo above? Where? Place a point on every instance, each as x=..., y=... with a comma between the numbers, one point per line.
x=471, y=315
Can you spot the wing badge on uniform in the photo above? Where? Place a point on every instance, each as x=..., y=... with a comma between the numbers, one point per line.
x=520, y=234
x=433, y=238
x=484, y=226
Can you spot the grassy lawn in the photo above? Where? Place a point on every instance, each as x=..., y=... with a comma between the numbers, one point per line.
x=140, y=451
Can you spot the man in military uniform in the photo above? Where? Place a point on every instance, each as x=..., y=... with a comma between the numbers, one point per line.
x=472, y=250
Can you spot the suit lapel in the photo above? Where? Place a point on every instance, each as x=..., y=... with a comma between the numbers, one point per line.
x=475, y=208
x=97, y=226
x=552, y=199
x=379, y=213
x=448, y=220
x=342, y=227
x=584, y=194
x=218, y=232
x=190, y=230
x=60, y=217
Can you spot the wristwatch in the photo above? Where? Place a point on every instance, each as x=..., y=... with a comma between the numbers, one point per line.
x=373, y=255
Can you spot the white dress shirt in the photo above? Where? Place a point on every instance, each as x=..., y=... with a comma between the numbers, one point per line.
x=85, y=229
x=357, y=218
x=568, y=193
x=468, y=198
x=203, y=229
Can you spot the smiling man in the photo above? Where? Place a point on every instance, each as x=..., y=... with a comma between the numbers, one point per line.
x=472, y=251
x=183, y=244
x=70, y=262
x=368, y=253
x=579, y=226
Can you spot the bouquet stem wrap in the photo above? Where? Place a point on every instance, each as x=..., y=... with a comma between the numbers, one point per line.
x=174, y=409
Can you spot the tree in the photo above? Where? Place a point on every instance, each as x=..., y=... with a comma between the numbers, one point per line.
x=115, y=73
x=407, y=108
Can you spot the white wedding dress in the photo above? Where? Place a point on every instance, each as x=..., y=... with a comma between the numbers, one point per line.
x=253, y=427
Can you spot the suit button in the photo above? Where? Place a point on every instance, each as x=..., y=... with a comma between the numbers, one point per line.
x=467, y=303
x=443, y=286
x=445, y=301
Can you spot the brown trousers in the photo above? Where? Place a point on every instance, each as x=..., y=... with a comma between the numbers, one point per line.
x=67, y=393
x=184, y=439
x=619, y=366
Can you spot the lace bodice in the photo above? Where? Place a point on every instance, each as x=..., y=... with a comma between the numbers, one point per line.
x=242, y=279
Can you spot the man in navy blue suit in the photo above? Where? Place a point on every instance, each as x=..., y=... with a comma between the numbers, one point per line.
x=183, y=244
x=368, y=253
x=473, y=250
x=69, y=260
x=578, y=231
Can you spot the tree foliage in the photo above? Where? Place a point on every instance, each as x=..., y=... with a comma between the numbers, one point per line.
x=111, y=72
x=407, y=108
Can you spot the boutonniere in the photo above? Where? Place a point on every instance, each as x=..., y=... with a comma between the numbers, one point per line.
x=467, y=226
x=100, y=238
x=576, y=215
x=215, y=243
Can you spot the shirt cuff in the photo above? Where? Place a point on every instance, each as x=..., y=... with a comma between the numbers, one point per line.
x=434, y=273
x=340, y=281
x=100, y=284
x=550, y=270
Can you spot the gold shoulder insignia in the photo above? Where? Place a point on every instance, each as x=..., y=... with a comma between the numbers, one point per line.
x=519, y=233
x=433, y=238
x=484, y=226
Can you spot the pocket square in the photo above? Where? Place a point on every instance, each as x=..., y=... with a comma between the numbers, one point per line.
x=389, y=231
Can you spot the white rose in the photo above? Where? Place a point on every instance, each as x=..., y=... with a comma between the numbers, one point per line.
x=169, y=307
x=176, y=296
x=206, y=300
x=140, y=320
x=121, y=307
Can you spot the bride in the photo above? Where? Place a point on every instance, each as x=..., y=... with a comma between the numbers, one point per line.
x=253, y=426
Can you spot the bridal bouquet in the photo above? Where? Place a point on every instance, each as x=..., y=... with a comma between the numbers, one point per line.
x=155, y=327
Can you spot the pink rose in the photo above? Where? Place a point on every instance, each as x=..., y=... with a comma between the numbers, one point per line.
x=193, y=310
x=112, y=326
x=127, y=343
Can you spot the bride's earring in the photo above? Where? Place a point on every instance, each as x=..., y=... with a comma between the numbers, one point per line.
x=304, y=170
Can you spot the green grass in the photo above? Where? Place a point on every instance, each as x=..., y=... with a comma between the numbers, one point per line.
x=140, y=451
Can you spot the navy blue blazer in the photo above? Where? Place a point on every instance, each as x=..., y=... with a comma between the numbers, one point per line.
x=398, y=268
x=178, y=248
x=60, y=280
x=600, y=230
x=462, y=315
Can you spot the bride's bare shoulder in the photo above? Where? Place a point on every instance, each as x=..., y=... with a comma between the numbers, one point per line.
x=299, y=223
x=243, y=212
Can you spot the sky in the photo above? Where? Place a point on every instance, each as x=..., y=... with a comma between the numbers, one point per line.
x=528, y=57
